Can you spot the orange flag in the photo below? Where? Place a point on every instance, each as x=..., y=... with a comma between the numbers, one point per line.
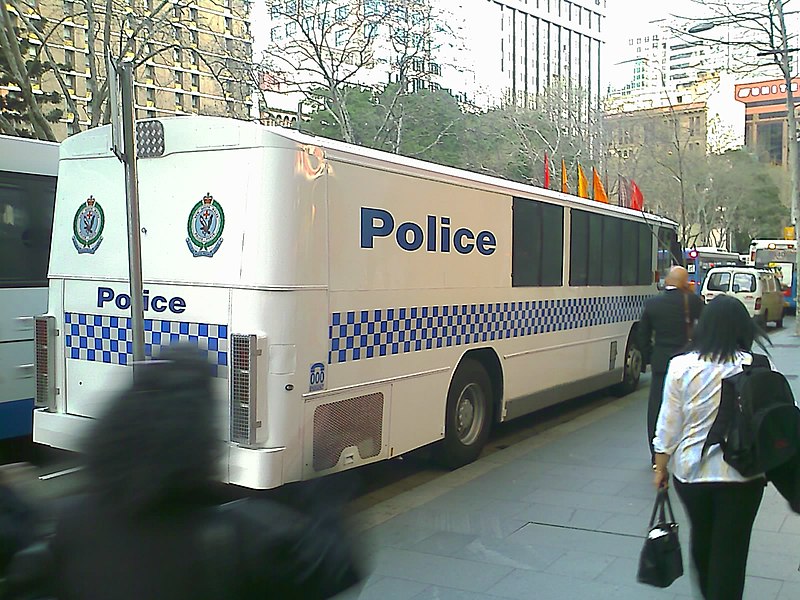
x=583, y=184
x=599, y=191
x=564, y=180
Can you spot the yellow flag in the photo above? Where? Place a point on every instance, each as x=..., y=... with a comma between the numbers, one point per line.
x=583, y=184
x=599, y=191
x=564, y=180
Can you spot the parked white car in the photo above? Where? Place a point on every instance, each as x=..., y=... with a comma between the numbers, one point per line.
x=759, y=290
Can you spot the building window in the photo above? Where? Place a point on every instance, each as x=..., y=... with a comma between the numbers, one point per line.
x=69, y=7
x=275, y=34
x=195, y=81
x=177, y=54
x=538, y=244
x=341, y=37
x=341, y=13
x=176, y=33
x=69, y=59
x=228, y=24
x=179, y=101
x=229, y=44
x=193, y=57
x=193, y=14
x=177, y=12
x=195, y=38
x=370, y=30
x=70, y=81
x=196, y=102
x=291, y=29
x=149, y=73
x=69, y=34
x=151, y=95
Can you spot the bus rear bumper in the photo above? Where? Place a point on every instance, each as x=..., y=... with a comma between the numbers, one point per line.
x=59, y=430
x=255, y=468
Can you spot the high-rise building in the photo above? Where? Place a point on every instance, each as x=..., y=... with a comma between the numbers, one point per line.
x=192, y=57
x=484, y=52
x=519, y=48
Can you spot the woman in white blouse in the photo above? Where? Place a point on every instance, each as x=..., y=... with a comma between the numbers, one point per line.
x=721, y=503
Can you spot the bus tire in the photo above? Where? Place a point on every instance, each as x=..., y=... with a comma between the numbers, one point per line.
x=632, y=369
x=468, y=416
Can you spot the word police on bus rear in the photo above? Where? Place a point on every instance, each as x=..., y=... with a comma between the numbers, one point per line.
x=437, y=236
x=158, y=304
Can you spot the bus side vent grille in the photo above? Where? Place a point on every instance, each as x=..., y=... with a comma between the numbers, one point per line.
x=243, y=388
x=351, y=422
x=44, y=340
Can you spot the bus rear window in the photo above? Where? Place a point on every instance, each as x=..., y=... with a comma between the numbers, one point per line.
x=26, y=224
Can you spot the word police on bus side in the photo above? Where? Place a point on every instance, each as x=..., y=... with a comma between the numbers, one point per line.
x=437, y=237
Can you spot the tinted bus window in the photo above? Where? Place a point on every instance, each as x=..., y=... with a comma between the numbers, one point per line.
x=595, y=250
x=538, y=246
x=645, y=274
x=579, y=248
x=630, y=252
x=26, y=224
x=612, y=251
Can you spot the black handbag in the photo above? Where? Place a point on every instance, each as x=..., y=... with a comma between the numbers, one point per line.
x=661, y=561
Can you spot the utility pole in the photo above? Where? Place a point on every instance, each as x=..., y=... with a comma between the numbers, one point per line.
x=123, y=126
x=794, y=155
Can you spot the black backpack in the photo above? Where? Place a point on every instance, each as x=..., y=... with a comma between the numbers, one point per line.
x=758, y=424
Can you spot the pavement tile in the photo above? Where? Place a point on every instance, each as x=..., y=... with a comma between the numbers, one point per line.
x=436, y=592
x=524, y=585
x=762, y=589
x=574, y=539
x=444, y=543
x=552, y=514
x=602, y=502
x=439, y=570
x=774, y=565
x=605, y=486
x=386, y=588
x=789, y=591
x=583, y=565
x=510, y=554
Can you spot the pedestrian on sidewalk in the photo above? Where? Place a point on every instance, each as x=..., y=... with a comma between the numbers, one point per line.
x=721, y=504
x=153, y=523
x=664, y=331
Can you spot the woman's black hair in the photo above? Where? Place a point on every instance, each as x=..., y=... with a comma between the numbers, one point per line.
x=157, y=441
x=725, y=328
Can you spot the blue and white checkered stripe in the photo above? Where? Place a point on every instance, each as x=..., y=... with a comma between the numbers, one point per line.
x=356, y=335
x=100, y=338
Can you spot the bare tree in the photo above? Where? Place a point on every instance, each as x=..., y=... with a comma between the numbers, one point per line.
x=760, y=26
x=323, y=51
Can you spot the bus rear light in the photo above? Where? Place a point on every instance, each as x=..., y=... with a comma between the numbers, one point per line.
x=44, y=340
x=787, y=292
x=243, y=388
x=758, y=303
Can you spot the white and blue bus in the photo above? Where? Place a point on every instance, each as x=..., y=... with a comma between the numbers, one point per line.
x=779, y=256
x=28, y=170
x=356, y=305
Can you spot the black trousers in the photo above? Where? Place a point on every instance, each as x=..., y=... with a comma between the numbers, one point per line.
x=721, y=517
x=653, y=408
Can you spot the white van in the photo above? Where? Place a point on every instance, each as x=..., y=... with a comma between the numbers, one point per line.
x=759, y=290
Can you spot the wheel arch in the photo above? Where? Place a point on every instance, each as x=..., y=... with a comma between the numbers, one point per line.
x=490, y=361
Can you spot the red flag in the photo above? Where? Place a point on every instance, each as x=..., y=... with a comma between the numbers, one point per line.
x=599, y=191
x=637, y=198
x=546, y=171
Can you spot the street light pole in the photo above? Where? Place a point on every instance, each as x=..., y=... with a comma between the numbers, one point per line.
x=794, y=155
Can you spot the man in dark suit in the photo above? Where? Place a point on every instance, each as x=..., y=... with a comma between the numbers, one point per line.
x=664, y=331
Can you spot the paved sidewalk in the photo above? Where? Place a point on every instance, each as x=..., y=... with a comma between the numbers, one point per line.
x=558, y=516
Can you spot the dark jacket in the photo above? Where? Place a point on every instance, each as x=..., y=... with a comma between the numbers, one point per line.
x=662, y=328
x=252, y=548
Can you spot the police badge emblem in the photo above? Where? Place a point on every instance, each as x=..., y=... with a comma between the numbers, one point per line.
x=206, y=222
x=87, y=226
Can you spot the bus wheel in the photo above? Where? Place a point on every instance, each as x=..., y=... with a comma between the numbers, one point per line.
x=468, y=417
x=633, y=369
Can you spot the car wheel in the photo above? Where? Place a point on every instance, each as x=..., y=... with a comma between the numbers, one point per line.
x=468, y=416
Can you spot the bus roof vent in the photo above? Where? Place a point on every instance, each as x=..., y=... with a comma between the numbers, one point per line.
x=149, y=139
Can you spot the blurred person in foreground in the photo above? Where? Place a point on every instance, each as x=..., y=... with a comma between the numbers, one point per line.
x=152, y=526
x=664, y=331
x=720, y=502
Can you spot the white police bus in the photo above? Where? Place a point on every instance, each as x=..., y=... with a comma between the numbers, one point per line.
x=28, y=170
x=356, y=304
